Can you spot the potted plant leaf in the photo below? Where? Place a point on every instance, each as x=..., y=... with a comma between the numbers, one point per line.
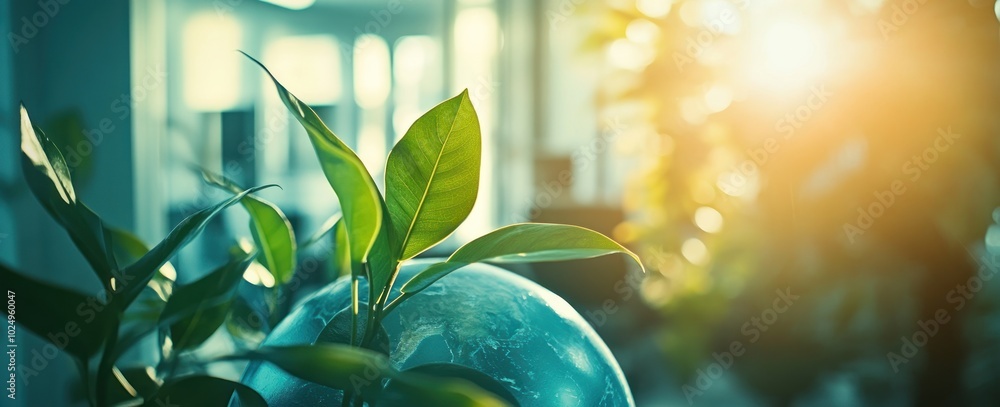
x=373, y=338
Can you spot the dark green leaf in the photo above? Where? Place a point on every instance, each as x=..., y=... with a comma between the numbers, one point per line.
x=128, y=249
x=271, y=230
x=139, y=273
x=204, y=391
x=522, y=243
x=48, y=177
x=246, y=322
x=448, y=371
x=74, y=322
x=338, y=330
x=432, y=175
x=359, y=198
x=196, y=310
x=132, y=383
x=421, y=390
x=334, y=365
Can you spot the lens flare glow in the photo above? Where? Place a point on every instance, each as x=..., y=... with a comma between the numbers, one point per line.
x=788, y=53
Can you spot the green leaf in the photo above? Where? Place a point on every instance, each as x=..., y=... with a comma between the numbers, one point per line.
x=402, y=393
x=248, y=323
x=272, y=233
x=362, y=371
x=132, y=383
x=432, y=175
x=45, y=167
x=325, y=228
x=196, y=310
x=522, y=243
x=204, y=391
x=73, y=322
x=342, y=251
x=338, y=330
x=128, y=249
x=48, y=177
x=359, y=198
x=418, y=390
x=334, y=365
x=143, y=270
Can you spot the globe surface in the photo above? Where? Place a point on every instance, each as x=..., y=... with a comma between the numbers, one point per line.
x=481, y=317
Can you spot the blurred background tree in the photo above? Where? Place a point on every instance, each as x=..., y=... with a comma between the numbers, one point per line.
x=843, y=150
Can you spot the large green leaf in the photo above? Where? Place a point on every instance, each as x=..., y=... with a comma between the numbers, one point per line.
x=342, y=250
x=271, y=230
x=361, y=371
x=522, y=243
x=138, y=274
x=48, y=176
x=359, y=198
x=408, y=390
x=204, y=391
x=74, y=322
x=196, y=310
x=432, y=175
x=418, y=390
x=333, y=365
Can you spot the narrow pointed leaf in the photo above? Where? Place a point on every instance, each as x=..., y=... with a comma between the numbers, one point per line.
x=359, y=198
x=48, y=176
x=323, y=230
x=522, y=243
x=196, y=310
x=139, y=273
x=131, y=384
x=74, y=322
x=271, y=230
x=204, y=391
x=432, y=175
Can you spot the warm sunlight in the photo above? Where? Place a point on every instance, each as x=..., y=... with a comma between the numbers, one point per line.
x=787, y=53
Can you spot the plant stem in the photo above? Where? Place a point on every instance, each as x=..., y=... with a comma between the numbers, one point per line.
x=372, y=303
x=394, y=303
x=84, y=366
x=354, y=309
x=104, y=369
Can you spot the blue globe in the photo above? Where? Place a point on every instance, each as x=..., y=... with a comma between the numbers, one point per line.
x=482, y=320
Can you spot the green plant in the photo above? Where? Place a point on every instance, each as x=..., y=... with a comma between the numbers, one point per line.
x=432, y=178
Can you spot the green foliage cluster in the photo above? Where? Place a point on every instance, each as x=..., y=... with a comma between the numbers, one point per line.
x=432, y=179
